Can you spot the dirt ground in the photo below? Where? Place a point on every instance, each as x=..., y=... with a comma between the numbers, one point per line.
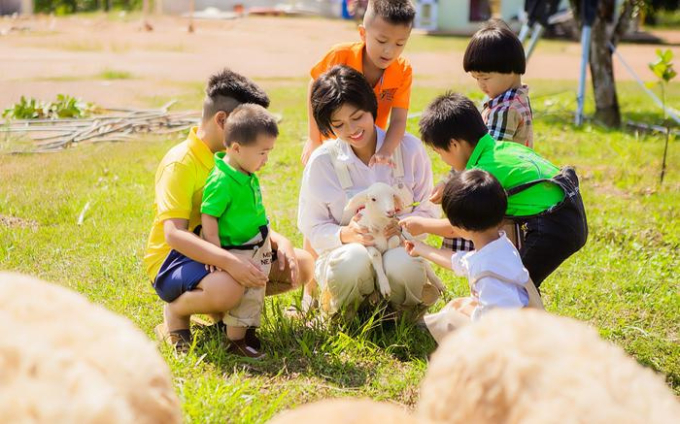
x=44, y=56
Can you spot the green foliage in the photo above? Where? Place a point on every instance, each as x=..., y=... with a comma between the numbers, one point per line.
x=64, y=7
x=64, y=107
x=663, y=67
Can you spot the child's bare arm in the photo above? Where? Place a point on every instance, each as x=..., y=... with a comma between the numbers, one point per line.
x=314, y=135
x=440, y=257
x=417, y=225
x=393, y=136
x=210, y=229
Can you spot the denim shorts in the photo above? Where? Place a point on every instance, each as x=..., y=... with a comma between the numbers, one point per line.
x=177, y=275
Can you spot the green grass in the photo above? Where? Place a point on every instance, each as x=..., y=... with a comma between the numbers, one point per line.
x=624, y=281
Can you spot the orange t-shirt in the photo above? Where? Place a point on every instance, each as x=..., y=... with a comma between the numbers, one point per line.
x=393, y=89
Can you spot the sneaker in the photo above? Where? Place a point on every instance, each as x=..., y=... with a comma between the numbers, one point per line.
x=241, y=348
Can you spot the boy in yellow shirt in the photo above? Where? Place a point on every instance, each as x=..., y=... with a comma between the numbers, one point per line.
x=177, y=260
x=385, y=30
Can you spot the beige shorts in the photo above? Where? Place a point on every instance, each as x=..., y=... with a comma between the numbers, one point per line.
x=346, y=278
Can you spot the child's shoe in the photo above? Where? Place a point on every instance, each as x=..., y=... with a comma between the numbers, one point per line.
x=241, y=348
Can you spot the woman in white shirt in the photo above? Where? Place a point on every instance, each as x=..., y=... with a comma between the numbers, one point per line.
x=344, y=105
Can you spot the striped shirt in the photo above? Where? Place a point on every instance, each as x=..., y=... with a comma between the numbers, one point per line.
x=508, y=117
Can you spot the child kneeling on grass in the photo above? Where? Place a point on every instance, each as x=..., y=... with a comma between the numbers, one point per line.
x=475, y=203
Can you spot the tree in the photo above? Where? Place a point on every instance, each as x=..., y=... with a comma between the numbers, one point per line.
x=606, y=32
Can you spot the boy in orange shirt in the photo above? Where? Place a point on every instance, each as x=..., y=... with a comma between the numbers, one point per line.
x=385, y=30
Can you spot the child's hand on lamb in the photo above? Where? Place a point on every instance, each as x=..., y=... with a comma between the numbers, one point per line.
x=355, y=233
x=415, y=225
x=413, y=247
x=437, y=193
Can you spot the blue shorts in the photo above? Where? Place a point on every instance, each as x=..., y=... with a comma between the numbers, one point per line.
x=178, y=274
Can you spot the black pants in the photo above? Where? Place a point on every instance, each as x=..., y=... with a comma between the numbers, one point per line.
x=551, y=238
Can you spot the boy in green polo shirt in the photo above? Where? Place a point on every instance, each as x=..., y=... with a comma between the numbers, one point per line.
x=232, y=213
x=544, y=201
x=177, y=260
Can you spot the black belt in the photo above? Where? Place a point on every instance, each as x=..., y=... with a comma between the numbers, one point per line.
x=264, y=232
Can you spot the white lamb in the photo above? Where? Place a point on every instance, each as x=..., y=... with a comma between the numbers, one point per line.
x=65, y=360
x=378, y=206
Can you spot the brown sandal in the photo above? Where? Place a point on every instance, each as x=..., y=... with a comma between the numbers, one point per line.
x=179, y=340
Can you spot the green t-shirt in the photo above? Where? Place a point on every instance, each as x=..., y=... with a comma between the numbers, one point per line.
x=234, y=198
x=513, y=164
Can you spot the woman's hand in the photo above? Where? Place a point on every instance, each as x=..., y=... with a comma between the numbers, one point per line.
x=356, y=233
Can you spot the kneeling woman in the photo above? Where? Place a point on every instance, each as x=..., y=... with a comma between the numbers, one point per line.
x=344, y=105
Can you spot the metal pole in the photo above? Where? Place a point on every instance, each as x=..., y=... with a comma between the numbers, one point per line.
x=585, y=54
x=524, y=32
x=536, y=34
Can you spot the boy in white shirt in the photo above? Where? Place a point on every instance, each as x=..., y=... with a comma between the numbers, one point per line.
x=475, y=203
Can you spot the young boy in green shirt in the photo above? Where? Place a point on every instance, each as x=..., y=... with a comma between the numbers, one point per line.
x=544, y=201
x=179, y=262
x=233, y=216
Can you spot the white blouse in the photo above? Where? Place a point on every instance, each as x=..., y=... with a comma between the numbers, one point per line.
x=322, y=198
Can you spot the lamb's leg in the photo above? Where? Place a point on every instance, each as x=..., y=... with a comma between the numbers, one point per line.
x=433, y=278
x=376, y=260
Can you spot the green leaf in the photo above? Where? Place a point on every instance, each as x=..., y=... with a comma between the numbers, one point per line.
x=666, y=56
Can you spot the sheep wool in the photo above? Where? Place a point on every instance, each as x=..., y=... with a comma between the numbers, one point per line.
x=526, y=366
x=347, y=411
x=66, y=360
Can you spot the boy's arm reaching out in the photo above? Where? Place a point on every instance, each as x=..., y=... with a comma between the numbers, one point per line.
x=417, y=225
x=393, y=136
x=440, y=257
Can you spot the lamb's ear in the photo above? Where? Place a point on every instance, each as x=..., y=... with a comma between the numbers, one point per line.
x=355, y=203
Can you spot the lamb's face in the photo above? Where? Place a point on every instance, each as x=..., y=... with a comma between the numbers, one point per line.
x=381, y=201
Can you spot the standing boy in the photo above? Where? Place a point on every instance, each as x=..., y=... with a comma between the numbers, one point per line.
x=385, y=30
x=184, y=284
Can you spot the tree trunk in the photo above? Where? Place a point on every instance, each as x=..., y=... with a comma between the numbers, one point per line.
x=602, y=69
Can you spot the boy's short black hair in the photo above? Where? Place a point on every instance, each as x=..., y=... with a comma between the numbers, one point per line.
x=247, y=122
x=396, y=12
x=495, y=48
x=227, y=90
x=474, y=200
x=451, y=116
x=336, y=87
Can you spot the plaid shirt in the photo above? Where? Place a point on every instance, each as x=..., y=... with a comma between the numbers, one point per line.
x=508, y=117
